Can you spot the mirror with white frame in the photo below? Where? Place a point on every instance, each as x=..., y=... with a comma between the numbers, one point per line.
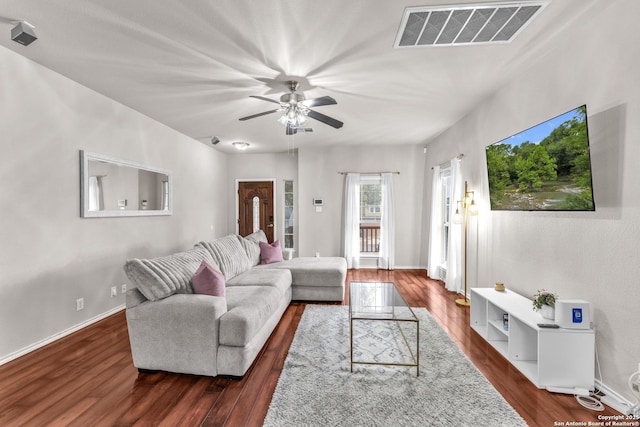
x=114, y=187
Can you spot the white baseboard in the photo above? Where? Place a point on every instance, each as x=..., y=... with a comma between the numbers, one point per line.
x=59, y=335
x=614, y=399
x=397, y=267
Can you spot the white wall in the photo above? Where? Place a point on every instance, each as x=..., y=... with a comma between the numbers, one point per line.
x=319, y=177
x=49, y=256
x=589, y=255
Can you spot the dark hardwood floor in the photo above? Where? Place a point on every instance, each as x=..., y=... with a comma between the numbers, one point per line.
x=88, y=379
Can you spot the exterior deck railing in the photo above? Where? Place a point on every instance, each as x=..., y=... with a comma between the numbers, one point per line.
x=369, y=237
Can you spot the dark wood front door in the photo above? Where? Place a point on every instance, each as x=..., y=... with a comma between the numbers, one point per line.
x=255, y=207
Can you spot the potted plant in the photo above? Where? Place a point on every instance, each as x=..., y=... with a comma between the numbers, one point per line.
x=545, y=301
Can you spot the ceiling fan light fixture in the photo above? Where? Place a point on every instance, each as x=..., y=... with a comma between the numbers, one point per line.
x=294, y=115
x=294, y=110
x=241, y=146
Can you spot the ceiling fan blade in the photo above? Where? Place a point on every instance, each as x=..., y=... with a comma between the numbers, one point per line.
x=264, y=99
x=317, y=102
x=259, y=114
x=325, y=119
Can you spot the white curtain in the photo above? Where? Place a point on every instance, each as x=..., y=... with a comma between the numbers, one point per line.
x=436, y=226
x=386, y=250
x=165, y=195
x=352, y=220
x=454, y=280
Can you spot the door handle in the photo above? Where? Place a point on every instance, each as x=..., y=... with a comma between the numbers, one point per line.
x=270, y=226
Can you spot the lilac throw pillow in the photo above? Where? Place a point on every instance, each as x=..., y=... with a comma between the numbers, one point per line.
x=270, y=252
x=208, y=281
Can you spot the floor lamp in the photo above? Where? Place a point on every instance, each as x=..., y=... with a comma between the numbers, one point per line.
x=469, y=207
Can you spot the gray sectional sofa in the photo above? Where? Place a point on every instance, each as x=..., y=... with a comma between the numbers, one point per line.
x=173, y=329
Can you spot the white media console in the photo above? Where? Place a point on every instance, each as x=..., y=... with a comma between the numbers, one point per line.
x=549, y=358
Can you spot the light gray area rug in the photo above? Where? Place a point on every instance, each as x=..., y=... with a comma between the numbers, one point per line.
x=317, y=388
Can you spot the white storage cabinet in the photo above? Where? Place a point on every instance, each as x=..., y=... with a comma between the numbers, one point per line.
x=547, y=357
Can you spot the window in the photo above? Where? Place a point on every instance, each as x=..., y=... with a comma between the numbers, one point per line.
x=369, y=219
x=445, y=176
x=370, y=201
x=288, y=215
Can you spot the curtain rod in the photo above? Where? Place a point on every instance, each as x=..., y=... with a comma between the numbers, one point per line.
x=370, y=173
x=459, y=157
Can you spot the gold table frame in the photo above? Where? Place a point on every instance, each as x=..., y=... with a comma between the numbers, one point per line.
x=381, y=301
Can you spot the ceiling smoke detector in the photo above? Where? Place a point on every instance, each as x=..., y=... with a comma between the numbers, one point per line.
x=465, y=24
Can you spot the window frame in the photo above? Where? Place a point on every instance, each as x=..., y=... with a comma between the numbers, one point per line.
x=288, y=243
x=445, y=203
x=370, y=180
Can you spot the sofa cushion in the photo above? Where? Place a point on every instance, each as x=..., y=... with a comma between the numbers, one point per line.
x=229, y=255
x=208, y=281
x=310, y=271
x=251, y=245
x=270, y=253
x=248, y=310
x=161, y=277
x=278, y=278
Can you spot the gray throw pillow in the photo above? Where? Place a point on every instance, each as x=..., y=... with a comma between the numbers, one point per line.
x=229, y=255
x=161, y=277
x=251, y=244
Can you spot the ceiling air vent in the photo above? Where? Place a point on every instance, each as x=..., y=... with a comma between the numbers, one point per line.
x=464, y=24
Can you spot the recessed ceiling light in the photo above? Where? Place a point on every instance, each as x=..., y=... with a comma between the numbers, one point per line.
x=241, y=145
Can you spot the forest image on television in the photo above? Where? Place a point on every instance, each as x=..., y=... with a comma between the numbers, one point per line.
x=546, y=167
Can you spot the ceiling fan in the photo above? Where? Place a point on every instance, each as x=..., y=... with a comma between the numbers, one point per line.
x=295, y=109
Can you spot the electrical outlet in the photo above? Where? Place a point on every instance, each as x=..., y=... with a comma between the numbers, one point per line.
x=124, y=288
x=114, y=291
x=80, y=304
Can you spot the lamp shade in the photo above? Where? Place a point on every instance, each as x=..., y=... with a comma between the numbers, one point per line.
x=457, y=217
x=473, y=208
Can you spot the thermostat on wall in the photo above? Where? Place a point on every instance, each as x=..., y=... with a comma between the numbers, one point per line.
x=317, y=202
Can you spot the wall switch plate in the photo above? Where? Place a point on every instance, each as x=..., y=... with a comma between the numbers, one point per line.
x=114, y=291
x=124, y=288
x=80, y=304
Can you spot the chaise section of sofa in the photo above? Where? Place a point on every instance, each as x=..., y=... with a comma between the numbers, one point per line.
x=315, y=279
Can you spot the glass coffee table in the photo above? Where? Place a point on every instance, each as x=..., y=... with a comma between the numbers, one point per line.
x=387, y=315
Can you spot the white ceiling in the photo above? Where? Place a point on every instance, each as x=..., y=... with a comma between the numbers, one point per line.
x=193, y=64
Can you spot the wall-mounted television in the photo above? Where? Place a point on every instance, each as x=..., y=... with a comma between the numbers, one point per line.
x=544, y=168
